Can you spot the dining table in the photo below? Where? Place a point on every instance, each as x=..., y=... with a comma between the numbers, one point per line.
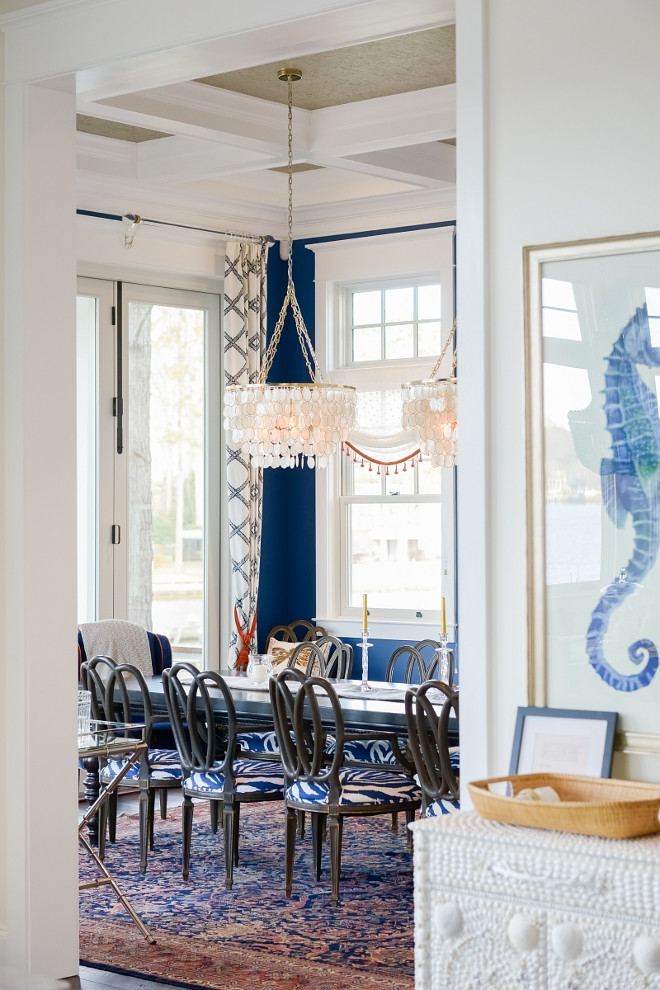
x=380, y=709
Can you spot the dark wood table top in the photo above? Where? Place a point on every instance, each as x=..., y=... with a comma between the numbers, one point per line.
x=360, y=711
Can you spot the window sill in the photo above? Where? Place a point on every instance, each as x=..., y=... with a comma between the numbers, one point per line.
x=383, y=628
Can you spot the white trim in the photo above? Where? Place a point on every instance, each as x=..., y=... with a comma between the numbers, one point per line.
x=381, y=629
x=350, y=261
x=474, y=524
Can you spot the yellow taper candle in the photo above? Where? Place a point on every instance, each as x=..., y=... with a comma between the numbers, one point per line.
x=444, y=617
x=364, y=613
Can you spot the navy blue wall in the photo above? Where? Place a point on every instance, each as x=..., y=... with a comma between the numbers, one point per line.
x=287, y=584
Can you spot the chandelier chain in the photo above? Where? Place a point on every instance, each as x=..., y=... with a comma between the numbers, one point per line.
x=315, y=373
x=436, y=368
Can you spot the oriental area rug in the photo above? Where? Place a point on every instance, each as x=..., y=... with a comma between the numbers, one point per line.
x=253, y=937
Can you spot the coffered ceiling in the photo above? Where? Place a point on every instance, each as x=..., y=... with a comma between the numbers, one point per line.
x=373, y=132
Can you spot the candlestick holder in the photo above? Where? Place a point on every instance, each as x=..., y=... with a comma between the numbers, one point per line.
x=365, y=685
x=444, y=665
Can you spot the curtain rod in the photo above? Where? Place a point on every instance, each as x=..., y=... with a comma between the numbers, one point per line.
x=135, y=219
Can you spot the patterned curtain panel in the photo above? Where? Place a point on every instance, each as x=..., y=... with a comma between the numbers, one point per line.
x=244, y=329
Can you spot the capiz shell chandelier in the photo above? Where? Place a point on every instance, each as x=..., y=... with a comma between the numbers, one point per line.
x=281, y=424
x=429, y=408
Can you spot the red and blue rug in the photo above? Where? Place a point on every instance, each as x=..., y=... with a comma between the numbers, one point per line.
x=253, y=937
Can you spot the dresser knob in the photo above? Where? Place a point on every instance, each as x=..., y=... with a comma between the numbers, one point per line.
x=448, y=919
x=567, y=941
x=646, y=953
x=523, y=933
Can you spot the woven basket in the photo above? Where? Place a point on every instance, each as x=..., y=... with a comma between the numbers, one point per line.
x=614, y=809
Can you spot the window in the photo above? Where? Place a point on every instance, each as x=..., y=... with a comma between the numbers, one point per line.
x=393, y=321
x=384, y=308
x=149, y=460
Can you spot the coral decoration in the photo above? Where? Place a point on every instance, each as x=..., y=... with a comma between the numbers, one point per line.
x=246, y=638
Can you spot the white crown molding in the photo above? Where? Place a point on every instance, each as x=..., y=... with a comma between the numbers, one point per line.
x=170, y=204
x=228, y=213
x=389, y=211
x=116, y=46
x=386, y=122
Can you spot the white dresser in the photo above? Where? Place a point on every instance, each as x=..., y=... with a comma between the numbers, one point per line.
x=510, y=908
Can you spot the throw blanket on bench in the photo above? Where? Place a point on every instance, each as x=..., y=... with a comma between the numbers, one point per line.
x=124, y=642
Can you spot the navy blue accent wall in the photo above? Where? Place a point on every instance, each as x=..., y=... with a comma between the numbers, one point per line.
x=380, y=653
x=287, y=583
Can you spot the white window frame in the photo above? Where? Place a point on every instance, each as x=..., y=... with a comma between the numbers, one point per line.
x=111, y=470
x=351, y=262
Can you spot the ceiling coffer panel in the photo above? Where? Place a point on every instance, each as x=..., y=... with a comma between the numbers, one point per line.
x=403, y=64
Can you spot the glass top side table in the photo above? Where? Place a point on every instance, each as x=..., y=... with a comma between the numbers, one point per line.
x=106, y=740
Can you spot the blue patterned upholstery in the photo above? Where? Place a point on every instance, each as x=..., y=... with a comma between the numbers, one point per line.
x=377, y=751
x=455, y=759
x=250, y=777
x=164, y=764
x=359, y=786
x=259, y=742
x=446, y=806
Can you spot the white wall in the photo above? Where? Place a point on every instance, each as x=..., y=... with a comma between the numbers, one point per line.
x=569, y=147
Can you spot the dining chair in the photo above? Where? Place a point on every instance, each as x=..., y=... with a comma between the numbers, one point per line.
x=325, y=787
x=109, y=684
x=405, y=664
x=325, y=657
x=298, y=631
x=211, y=769
x=437, y=764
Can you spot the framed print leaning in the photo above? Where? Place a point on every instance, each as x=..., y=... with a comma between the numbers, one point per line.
x=592, y=390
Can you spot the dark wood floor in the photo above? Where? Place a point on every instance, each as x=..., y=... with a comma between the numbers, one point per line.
x=99, y=979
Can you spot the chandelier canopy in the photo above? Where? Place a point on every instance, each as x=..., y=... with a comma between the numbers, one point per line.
x=429, y=408
x=281, y=424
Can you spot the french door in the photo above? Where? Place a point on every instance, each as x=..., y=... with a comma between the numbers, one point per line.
x=149, y=448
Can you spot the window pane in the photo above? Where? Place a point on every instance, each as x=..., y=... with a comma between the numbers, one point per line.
x=166, y=470
x=428, y=339
x=402, y=482
x=559, y=323
x=395, y=555
x=366, y=307
x=428, y=302
x=399, y=305
x=429, y=479
x=366, y=482
x=557, y=293
x=654, y=331
x=564, y=389
x=399, y=341
x=653, y=301
x=366, y=344
x=86, y=403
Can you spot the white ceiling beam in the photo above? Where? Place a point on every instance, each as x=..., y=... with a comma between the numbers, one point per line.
x=197, y=110
x=429, y=165
x=386, y=122
x=322, y=137
x=177, y=159
x=119, y=46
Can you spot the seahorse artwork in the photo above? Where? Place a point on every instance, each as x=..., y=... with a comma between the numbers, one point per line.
x=630, y=484
x=246, y=638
